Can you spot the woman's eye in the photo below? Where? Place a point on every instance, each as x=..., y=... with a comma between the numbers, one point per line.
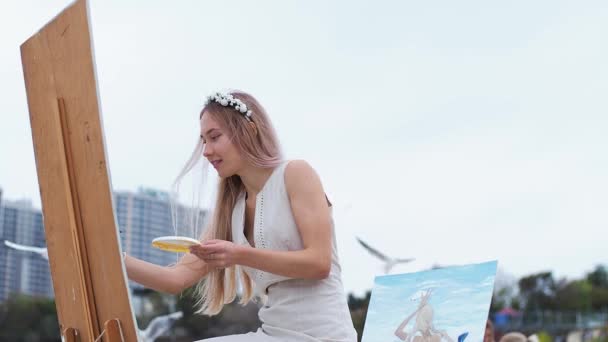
x=214, y=138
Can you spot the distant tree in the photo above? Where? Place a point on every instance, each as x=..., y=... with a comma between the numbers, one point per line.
x=505, y=291
x=233, y=319
x=573, y=296
x=358, y=311
x=598, y=277
x=355, y=303
x=501, y=299
x=599, y=298
x=29, y=319
x=159, y=306
x=537, y=291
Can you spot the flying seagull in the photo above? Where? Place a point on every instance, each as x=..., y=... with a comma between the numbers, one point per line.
x=38, y=250
x=159, y=326
x=388, y=262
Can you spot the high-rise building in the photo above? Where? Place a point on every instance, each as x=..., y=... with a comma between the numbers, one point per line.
x=22, y=272
x=141, y=216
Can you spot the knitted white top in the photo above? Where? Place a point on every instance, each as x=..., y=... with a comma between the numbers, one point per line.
x=295, y=309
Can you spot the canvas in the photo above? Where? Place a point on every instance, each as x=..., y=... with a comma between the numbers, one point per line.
x=446, y=304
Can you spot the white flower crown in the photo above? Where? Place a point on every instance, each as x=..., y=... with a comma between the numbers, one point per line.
x=229, y=100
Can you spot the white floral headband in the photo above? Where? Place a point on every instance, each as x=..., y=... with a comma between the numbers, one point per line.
x=229, y=100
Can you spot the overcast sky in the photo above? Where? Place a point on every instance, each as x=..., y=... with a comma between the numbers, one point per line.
x=452, y=132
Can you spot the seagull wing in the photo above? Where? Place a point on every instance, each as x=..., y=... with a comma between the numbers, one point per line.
x=404, y=260
x=373, y=251
x=39, y=250
x=159, y=325
x=388, y=266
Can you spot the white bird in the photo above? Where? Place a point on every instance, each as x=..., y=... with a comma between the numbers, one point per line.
x=38, y=250
x=159, y=326
x=389, y=262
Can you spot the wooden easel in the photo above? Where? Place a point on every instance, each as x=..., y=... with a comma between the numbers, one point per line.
x=88, y=275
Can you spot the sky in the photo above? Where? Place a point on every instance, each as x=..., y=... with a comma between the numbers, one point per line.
x=459, y=297
x=451, y=132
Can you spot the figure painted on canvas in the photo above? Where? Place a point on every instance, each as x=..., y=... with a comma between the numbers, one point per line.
x=441, y=305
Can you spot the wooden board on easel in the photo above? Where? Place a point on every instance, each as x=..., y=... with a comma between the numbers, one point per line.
x=82, y=238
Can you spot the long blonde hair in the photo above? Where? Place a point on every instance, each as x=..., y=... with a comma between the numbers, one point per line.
x=258, y=146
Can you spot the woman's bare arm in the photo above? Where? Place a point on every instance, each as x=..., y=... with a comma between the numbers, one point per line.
x=313, y=219
x=169, y=279
x=400, y=331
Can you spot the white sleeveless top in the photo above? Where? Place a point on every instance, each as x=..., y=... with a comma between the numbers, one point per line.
x=295, y=309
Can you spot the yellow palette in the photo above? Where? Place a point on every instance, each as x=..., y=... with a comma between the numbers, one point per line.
x=178, y=244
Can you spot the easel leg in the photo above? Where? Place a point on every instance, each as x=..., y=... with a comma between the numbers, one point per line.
x=114, y=331
x=70, y=335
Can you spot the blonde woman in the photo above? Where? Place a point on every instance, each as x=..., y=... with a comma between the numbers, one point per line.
x=424, y=330
x=272, y=228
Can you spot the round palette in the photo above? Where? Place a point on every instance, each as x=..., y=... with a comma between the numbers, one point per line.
x=178, y=244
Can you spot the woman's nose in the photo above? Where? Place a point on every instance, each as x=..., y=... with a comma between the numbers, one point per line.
x=206, y=151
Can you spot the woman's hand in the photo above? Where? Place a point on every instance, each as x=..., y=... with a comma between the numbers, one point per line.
x=217, y=253
x=425, y=298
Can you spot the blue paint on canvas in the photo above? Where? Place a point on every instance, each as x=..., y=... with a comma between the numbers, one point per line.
x=458, y=303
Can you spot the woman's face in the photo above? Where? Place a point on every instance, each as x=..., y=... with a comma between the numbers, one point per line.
x=218, y=147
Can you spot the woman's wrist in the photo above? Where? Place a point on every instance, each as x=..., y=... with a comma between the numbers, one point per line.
x=241, y=254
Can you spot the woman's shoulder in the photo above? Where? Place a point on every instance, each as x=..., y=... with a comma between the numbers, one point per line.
x=299, y=174
x=296, y=164
x=298, y=168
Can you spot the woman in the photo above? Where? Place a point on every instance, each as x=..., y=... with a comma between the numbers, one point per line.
x=272, y=226
x=424, y=330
